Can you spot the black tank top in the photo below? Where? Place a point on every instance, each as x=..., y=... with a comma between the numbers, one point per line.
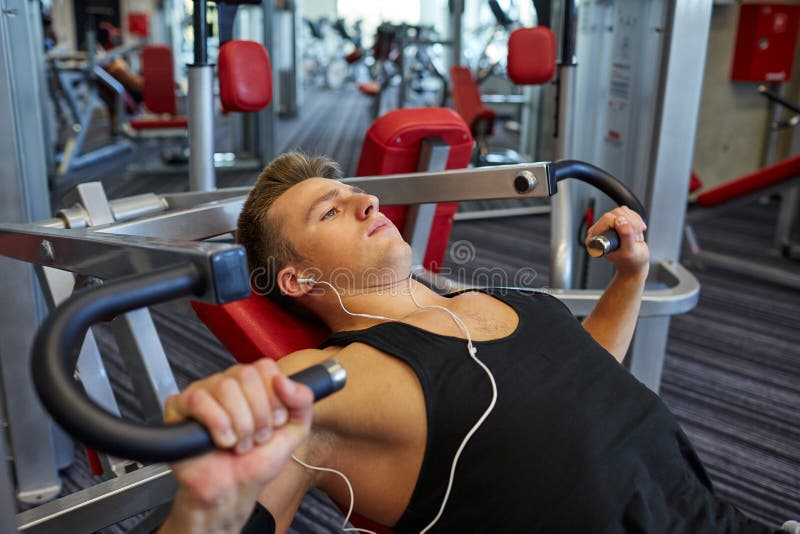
x=574, y=444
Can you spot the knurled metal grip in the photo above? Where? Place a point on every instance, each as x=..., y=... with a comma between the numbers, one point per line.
x=602, y=244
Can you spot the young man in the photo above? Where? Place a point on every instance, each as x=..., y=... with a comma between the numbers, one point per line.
x=549, y=432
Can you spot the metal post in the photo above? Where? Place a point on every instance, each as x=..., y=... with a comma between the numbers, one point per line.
x=682, y=75
x=23, y=178
x=564, y=205
x=419, y=219
x=266, y=117
x=456, y=27
x=201, y=108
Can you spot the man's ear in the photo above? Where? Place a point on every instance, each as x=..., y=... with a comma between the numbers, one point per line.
x=288, y=284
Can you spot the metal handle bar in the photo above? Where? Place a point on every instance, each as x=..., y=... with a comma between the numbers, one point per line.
x=55, y=354
x=608, y=241
x=762, y=89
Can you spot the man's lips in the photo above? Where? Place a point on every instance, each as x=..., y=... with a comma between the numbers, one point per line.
x=377, y=225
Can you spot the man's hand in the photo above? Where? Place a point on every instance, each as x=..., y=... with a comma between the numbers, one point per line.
x=613, y=319
x=633, y=256
x=257, y=417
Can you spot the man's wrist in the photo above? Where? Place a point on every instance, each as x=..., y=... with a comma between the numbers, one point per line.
x=191, y=515
x=636, y=275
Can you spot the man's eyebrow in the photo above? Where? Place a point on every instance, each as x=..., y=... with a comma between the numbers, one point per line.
x=330, y=195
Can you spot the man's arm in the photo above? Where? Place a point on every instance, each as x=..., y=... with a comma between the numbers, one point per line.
x=257, y=417
x=613, y=319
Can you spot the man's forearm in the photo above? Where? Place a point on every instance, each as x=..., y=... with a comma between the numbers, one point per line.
x=188, y=516
x=613, y=319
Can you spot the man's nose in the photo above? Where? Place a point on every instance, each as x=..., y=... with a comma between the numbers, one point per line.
x=367, y=204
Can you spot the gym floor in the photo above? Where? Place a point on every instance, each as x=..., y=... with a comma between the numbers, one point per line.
x=732, y=364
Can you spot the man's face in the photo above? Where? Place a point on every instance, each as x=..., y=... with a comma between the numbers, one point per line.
x=341, y=235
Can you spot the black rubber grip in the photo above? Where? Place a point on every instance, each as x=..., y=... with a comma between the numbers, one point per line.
x=320, y=379
x=55, y=354
x=597, y=177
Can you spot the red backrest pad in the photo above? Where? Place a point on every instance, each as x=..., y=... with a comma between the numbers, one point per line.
x=531, y=55
x=245, y=76
x=255, y=328
x=467, y=100
x=158, y=86
x=392, y=146
x=750, y=183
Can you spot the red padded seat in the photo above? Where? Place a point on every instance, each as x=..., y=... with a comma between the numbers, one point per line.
x=245, y=76
x=531, y=56
x=369, y=88
x=468, y=103
x=751, y=183
x=158, y=91
x=159, y=122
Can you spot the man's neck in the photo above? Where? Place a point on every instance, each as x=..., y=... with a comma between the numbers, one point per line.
x=393, y=301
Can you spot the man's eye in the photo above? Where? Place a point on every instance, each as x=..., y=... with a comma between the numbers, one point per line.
x=330, y=213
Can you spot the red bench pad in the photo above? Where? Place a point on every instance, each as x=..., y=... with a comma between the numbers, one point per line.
x=158, y=79
x=159, y=122
x=245, y=76
x=467, y=100
x=531, y=55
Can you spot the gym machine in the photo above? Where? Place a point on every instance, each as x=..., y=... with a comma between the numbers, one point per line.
x=75, y=80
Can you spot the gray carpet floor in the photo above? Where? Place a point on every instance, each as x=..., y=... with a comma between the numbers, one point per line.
x=731, y=371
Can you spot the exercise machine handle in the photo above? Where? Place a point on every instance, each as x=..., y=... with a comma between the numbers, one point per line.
x=55, y=355
x=608, y=241
x=762, y=89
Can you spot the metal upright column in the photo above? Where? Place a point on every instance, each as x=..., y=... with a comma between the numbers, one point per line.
x=564, y=205
x=202, y=176
x=688, y=27
x=456, y=8
x=266, y=117
x=24, y=198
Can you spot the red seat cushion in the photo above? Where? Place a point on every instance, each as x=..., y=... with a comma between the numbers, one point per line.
x=255, y=328
x=369, y=88
x=158, y=79
x=750, y=183
x=467, y=100
x=392, y=146
x=159, y=122
x=531, y=55
x=245, y=76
